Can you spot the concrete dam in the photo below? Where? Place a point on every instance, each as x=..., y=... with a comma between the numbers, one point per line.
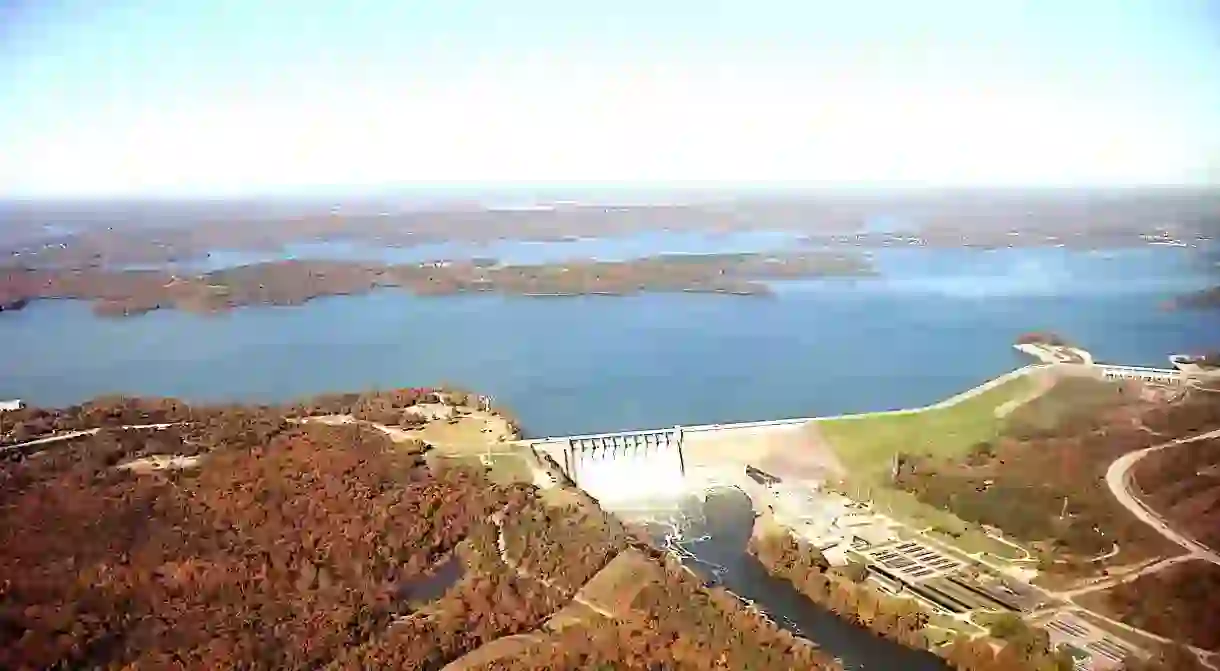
x=630, y=468
x=619, y=467
x=633, y=469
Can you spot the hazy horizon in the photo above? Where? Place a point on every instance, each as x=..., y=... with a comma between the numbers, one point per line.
x=227, y=99
x=645, y=194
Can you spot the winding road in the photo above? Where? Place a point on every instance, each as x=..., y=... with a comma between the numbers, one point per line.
x=1120, y=482
x=396, y=434
x=498, y=520
x=77, y=434
x=1104, y=583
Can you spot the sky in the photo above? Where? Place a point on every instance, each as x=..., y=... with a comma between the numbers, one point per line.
x=212, y=97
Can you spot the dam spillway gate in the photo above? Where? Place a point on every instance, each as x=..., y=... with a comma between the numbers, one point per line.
x=584, y=451
x=617, y=465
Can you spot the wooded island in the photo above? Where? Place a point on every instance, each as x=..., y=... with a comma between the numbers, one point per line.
x=131, y=292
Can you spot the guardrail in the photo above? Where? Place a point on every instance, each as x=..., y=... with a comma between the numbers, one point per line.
x=1140, y=369
x=952, y=400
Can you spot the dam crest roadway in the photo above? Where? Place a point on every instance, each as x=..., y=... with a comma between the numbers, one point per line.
x=624, y=468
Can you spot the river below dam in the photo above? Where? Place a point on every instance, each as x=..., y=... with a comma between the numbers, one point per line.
x=711, y=537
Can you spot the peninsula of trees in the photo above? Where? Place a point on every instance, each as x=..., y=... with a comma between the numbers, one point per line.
x=129, y=292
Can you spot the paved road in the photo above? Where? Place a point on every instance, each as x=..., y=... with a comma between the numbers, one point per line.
x=77, y=434
x=502, y=545
x=1131, y=576
x=396, y=434
x=1118, y=479
x=49, y=439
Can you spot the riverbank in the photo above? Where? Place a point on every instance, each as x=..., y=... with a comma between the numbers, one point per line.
x=850, y=593
x=709, y=537
x=842, y=590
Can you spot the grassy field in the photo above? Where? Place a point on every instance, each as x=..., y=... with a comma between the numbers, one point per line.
x=615, y=586
x=867, y=445
x=985, y=619
x=466, y=433
x=1071, y=399
x=508, y=647
x=506, y=468
x=904, y=507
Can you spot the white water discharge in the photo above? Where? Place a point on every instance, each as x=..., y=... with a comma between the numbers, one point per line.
x=632, y=477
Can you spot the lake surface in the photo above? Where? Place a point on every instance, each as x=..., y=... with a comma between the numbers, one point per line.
x=937, y=322
x=711, y=537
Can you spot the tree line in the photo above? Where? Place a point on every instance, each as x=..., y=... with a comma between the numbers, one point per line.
x=1042, y=338
x=1178, y=603
x=390, y=407
x=842, y=591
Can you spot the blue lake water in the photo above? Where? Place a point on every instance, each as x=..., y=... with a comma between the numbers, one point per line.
x=937, y=322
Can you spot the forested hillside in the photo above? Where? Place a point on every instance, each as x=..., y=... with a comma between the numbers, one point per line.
x=256, y=542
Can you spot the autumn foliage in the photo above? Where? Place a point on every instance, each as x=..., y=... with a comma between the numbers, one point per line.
x=1042, y=338
x=1179, y=603
x=385, y=406
x=277, y=556
x=1182, y=483
x=293, y=546
x=900, y=620
x=1046, y=485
